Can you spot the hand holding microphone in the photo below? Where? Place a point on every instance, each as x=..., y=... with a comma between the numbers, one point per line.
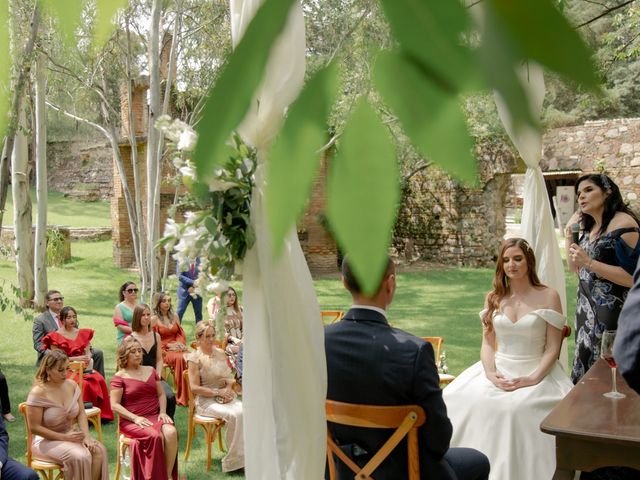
x=575, y=233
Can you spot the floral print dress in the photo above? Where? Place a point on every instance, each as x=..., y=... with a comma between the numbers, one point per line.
x=599, y=300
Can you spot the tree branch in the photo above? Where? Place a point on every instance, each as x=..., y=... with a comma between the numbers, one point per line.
x=103, y=130
x=605, y=13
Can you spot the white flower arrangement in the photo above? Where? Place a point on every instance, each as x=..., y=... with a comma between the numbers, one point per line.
x=216, y=226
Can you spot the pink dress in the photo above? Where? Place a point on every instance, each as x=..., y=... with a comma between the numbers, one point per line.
x=175, y=360
x=94, y=389
x=147, y=452
x=74, y=457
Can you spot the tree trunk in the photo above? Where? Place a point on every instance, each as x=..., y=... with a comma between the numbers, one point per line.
x=41, y=185
x=153, y=146
x=16, y=102
x=22, y=226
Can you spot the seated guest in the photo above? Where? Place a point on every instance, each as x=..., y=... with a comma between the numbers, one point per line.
x=518, y=380
x=9, y=468
x=151, y=354
x=167, y=325
x=54, y=406
x=123, y=313
x=137, y=396
x=75, y=343
x=372, y=363
x=49, y=321
x=4, y=399
x=212, y=384
x=626, y=349
x=233, y=322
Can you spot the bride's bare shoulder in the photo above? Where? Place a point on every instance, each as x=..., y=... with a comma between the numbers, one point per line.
x=550, y=299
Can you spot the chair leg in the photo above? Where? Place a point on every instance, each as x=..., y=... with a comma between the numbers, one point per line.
x=98, y=426
x=219, y=428
x=191, y=430
x=118, y=453
x=209, y=437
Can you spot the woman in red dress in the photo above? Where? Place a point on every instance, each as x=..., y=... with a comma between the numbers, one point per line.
x=174, y=344
x=75, y=343
x=138, y=397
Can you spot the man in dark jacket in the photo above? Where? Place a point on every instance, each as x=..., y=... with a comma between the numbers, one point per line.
x=9, y=468
x=370, y=362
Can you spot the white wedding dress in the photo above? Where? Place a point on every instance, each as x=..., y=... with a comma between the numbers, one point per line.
x=505, y=426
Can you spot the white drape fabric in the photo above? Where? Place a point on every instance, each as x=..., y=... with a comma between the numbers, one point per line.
x=284, y=381
x=537, y=222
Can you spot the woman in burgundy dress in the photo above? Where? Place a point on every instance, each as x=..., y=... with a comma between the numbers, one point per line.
x=173, y=341
x=137, y=396
x=75, y=343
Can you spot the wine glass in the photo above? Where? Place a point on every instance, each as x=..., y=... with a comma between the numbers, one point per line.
x=606, y=352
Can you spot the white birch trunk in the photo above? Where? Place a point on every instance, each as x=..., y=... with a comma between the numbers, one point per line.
x=41, y=184
x=23, y=229
x=153, y=145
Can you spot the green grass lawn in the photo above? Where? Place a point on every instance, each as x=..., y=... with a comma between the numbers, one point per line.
x=66, y=211
x=436, y=302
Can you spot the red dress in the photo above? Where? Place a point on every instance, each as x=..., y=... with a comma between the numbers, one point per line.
x=94, y=388
x=175, y=360
x=147, y=452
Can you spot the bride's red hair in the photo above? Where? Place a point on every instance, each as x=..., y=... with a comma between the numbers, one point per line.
x=501, y=281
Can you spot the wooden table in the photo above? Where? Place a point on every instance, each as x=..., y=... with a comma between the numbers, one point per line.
x=593, y=431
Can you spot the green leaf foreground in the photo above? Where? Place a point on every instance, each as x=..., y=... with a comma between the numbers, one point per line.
x=435, y=116
x=230, y=97
x=5, y=66
x=105, y=11
x=544, y=35
x=294, y=158
x=363, y=194
x=68, y=13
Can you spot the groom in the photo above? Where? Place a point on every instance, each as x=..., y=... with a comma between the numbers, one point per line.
x=370, y=362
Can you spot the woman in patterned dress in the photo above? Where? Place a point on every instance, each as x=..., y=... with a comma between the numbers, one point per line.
x=604, y=259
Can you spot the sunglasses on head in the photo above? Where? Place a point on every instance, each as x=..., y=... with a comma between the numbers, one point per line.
x=131, y=290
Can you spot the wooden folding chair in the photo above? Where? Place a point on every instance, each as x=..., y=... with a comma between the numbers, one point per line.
x=405, y=419
x=210, y=425
x=330, y=316
x=445, y=378
x=45, y=468
x=93, y=413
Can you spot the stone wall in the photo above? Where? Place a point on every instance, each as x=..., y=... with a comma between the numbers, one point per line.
x=81, y=170
x=612, y=145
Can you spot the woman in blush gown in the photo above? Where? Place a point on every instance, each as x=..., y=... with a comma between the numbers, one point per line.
x=75, y=343
x=173, y=341
x=54, y=404
x=497, y=404
x=137, y=396
x=212, y=383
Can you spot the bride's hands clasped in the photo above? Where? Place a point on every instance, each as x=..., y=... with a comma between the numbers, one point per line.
x=511, y=384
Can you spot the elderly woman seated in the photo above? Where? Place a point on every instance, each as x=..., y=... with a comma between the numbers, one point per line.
x=211, y=381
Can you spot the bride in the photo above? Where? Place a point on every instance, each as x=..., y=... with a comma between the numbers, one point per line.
x=497, y=404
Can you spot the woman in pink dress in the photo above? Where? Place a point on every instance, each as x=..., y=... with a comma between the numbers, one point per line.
x=54, y=405
x=138, y=397
x=174, y=343
x=75, y=343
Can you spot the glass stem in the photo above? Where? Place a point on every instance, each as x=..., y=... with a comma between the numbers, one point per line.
x=613, y=379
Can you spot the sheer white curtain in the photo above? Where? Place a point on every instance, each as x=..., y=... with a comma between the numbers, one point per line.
x=284, y=383
x=537, y=222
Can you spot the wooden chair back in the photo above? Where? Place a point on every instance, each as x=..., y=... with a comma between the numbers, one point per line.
x=437, y=345
x=93, y=413
x=46, y=468
x=405, y=419
x=330, y=316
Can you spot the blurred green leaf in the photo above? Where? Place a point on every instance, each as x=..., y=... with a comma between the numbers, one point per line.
x=67, y=13
x=363, y=194
x=5, y=66
x=231, y=96
x=432, y=32
x=105, y=11
x=543, y=34
x=295, y=157
x=498, y=60
x=432, y=117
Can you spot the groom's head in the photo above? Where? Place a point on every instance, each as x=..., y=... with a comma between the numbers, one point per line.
x=384, y=292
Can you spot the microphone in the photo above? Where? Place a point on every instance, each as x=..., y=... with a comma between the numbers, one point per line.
x=575, y=233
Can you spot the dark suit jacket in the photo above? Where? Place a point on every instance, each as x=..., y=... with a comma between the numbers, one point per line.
x=370, y=362
x=42, y=325
x=186, y=280
x=626, y=349
x=4, y=442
